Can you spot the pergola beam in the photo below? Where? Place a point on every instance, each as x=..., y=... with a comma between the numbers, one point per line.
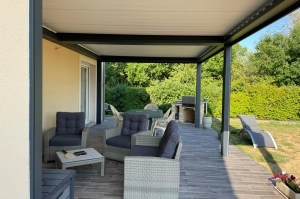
x=51, y=36
x=262, y=18
x=148, y=59
x=114, y=39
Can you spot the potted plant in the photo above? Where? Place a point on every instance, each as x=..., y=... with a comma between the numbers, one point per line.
x=288, y=185
x=207, y=121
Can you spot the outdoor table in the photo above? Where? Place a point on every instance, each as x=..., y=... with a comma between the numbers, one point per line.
x=151, y=114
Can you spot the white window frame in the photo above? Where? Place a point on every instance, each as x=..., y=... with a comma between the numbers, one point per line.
x=87, y=112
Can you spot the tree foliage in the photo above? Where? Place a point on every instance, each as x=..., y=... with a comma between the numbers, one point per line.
x=277, y=56
x=136, y=74
x=182, y=81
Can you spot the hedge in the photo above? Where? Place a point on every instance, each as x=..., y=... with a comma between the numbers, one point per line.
x=265, y=102
x=262, y=101
x=124, y=98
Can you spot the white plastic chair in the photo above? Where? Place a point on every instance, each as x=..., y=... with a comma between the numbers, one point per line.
x=162, y=124
x=163, y=119
x=117, y=115
x=151, y=106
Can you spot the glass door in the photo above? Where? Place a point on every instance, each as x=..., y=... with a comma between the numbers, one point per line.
x=84, y=106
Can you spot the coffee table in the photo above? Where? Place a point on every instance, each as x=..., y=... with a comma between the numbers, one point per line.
x=91, y=157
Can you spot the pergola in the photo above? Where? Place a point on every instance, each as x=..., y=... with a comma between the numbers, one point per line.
x=169, y=31
x=164, y=31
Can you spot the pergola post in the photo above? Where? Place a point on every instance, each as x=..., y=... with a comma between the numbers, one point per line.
x=226, y=101
x=198, y=96
x=35, y=92
x=99, y=93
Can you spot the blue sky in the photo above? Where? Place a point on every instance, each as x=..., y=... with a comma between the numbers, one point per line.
x=252, y=40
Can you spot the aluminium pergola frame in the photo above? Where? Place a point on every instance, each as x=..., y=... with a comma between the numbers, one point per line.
x=254, y=23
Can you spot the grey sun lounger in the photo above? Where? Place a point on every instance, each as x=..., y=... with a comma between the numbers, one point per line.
x=259, y=137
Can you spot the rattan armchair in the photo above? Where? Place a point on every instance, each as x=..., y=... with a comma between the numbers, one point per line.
x=117, y=142
x=151, y=177
x=70, y=133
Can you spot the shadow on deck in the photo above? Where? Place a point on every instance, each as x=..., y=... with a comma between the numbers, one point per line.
x=204, y=172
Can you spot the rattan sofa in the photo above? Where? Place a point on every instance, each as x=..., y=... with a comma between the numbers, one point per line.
x=148, y=176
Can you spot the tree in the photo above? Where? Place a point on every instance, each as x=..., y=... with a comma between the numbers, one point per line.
x=277, y=56
x=182, y=81
x=115, y=73
x=137, y=74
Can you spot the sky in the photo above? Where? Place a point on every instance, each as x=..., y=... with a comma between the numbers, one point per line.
x=252, y=40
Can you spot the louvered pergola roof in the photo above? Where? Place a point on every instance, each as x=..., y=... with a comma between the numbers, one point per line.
x=156, y=31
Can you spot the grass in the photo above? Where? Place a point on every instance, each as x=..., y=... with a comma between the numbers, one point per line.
x=287, y=136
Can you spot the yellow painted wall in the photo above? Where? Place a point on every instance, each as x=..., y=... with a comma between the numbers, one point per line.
x=14, y=99
x=61, y=76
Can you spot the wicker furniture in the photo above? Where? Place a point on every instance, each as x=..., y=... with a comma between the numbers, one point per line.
x=117, y=115
x=70, y=133
x=117, y=141
x=152, y=114
x=92, y=156
x=146, y=176
x=58, y=184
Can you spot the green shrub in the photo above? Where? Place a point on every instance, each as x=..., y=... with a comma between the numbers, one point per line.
x=124, y=98
x=168, y=92
x=271, y=102
x=134, y=98
x=264, y=102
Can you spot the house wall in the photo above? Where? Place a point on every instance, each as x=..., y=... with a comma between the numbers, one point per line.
x=61, y=82
x=14, y=99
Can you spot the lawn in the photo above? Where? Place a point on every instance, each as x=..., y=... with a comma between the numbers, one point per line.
x=286, y=135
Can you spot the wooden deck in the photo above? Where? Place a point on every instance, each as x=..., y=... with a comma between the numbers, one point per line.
x=204, y=172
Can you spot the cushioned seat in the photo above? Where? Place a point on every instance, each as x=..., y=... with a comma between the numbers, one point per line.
x=65, y=140
x=123, y=141
x=144, y=151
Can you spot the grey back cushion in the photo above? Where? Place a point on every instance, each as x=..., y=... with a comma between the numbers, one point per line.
x=169, y=141
x=70, y=123
x=133, y=123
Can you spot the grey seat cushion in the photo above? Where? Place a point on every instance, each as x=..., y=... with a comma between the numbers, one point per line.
x=138, y=150
x=65, y=140
x=69, y=123
x=133, y=123
x=169, y=141
x=122, y=141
